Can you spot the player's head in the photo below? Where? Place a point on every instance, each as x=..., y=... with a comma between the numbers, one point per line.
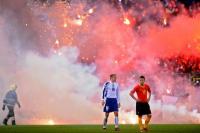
x=142, y=80
x=113, y=77
x=13, y=87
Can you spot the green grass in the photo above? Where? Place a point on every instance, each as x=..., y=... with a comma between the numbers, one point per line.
x=172, y=128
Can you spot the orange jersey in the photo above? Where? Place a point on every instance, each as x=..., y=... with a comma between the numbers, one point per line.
x=141, y=92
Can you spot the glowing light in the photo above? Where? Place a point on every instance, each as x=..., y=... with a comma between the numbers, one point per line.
x=78, y=16
x=133, y=120
x=168, y=91
x=127, y=21
x=123, y=122
x=56, y=42
x=78, y=22
x=165, y=21
x=91, y=11
x=51, y=122
x=65, y=25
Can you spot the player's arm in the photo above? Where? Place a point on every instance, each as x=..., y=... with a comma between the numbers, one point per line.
x=4, y=106
x=4, y=102
x=118, y=97
x=132, y=94
x=19, y=105
x=104, y=94
x=17, y=101
x=149, y=90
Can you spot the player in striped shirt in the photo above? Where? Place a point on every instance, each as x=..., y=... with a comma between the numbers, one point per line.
x=111, y=100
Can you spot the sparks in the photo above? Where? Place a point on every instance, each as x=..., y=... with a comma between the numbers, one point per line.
x=65, y=25
x=57, y=42
x=127, y=21
x=168, y=91
x=78, y=22
x=91, y=11
x=165, y=21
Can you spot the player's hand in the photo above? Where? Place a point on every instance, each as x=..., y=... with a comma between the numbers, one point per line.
x=19, y=105
x=134, y=98
x=102, y=103
x=138, y=100
x=119, y=105
x=148, y=100
x=3, y=108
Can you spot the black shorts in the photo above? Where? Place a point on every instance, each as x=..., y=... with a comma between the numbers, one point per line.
x=142, y=108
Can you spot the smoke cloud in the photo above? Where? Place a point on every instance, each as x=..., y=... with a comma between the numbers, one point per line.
x=59, y=54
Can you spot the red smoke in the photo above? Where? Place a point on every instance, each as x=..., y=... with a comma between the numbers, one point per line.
x=106, y=40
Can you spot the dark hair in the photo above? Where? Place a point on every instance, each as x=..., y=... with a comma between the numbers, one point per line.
x=112, y=75
x=142, y=77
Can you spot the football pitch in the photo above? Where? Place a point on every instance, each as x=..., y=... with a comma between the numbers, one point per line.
x=164, y=128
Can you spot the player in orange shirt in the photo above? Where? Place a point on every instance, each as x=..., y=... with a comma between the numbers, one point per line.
x=143, y=92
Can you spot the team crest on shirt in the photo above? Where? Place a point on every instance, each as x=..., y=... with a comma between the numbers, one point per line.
x=144, y=91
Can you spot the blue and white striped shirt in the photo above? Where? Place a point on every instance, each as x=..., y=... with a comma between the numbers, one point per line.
x=111, y=90
x=10, y=98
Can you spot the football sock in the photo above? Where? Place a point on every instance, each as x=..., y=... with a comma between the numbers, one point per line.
x=116, y=121
x=105, y=121
x=13, y=122
x=140, y=123
x=147, y=121
x=5, y=121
